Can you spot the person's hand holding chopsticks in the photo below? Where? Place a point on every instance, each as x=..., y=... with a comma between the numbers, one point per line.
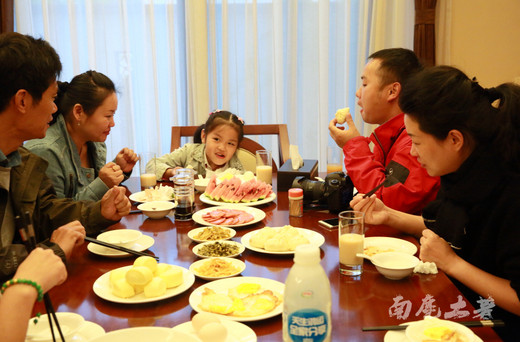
x=44, y=269
x=115, y=204
x=68, y=236
x=375, y=211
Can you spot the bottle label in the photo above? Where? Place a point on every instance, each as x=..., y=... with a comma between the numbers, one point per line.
x=308, y=325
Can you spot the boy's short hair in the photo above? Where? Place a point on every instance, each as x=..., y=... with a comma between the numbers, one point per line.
x=397, y=64
x=26, y=63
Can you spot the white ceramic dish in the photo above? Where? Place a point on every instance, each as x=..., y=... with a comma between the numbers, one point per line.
x=135, y=335
x=223, y=285
x=140, y=197
x=258, y=215
x=395, y=265
x=142, y=244
x=156, y=209
x=240, y=246
x=85, y=333
x=268, y=199
x=235, y=262
x=237, y=332
x=415, y=330
x=121, y=237
x=390, y=244
x=70, y=323
x=101, y=288
x=194, y=232
x=400, y=336
x=315, y=239
x=201, y=184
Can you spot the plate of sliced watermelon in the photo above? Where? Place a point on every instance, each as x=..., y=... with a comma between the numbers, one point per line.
x=229, y=216
x=238, y=191
x=205, y=199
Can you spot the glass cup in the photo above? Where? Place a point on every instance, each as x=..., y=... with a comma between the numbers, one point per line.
x=147, y=166
x=351, y=238
x=334, y=159
x=184, y=193
x=264, y=166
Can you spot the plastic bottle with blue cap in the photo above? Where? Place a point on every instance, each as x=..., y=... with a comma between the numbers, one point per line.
x=307, y=299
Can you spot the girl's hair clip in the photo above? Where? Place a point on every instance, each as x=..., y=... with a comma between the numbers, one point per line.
x=215, y=111
x=240, y=119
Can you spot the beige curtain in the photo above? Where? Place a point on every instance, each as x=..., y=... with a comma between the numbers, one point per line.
x=6, y=16
x=197, y=62
x=443, y=32
x=424, y=31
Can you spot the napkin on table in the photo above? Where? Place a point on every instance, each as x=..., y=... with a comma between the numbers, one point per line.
x=296, y=159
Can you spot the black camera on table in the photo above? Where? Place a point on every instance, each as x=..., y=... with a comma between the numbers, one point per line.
x=335, y=192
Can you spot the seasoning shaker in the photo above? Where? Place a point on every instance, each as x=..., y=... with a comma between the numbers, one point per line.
x=296, y=202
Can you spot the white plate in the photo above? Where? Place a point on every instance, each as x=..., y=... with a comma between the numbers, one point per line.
x=235, y=262
x=223, y=285
x=268, y=199
x=258, y=215
x=240, y=246
x=70, y=324
x=237, y=332
x=414, y=330
x=386, y=243
x=192, y=233
x=140, y=245
x=135, y=335
x=101, y=288
x=140, y=197
x=315, y=239
x=400, y=336
x=87, y=332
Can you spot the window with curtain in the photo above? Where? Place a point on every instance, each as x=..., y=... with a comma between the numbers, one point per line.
x=268, y=61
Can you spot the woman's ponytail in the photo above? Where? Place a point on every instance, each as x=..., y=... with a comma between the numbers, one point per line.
x=508, y=135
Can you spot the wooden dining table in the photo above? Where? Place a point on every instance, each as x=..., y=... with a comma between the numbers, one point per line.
x=357, y=302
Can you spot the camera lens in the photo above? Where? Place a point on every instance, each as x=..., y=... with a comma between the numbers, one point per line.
x=312, y=190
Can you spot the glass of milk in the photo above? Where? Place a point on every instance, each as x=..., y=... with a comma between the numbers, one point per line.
x=351, y=229
x=147, y=170
x=264, y=166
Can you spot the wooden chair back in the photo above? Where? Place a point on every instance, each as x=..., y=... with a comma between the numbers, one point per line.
x=246, y=144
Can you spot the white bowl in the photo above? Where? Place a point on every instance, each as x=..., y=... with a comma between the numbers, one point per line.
x=395, y=265
x=41, y=332
x=121, y=237
x=156, y=209
x=196, y=249
x=201, y=184
x=239, y=264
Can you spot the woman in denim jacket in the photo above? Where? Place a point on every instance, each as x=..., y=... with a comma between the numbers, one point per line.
x=74, y=145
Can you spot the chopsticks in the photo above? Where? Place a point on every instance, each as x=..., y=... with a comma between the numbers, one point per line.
x=26, y=229
x=119, y=248
x=373, y=191
x=469, y=324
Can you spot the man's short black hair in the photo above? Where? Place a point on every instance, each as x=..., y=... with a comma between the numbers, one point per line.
x=26, y=63
x=397, y=64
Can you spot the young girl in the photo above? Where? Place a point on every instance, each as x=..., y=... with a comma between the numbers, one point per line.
x=220, y=136
x=75, y=144
x=468, y=135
